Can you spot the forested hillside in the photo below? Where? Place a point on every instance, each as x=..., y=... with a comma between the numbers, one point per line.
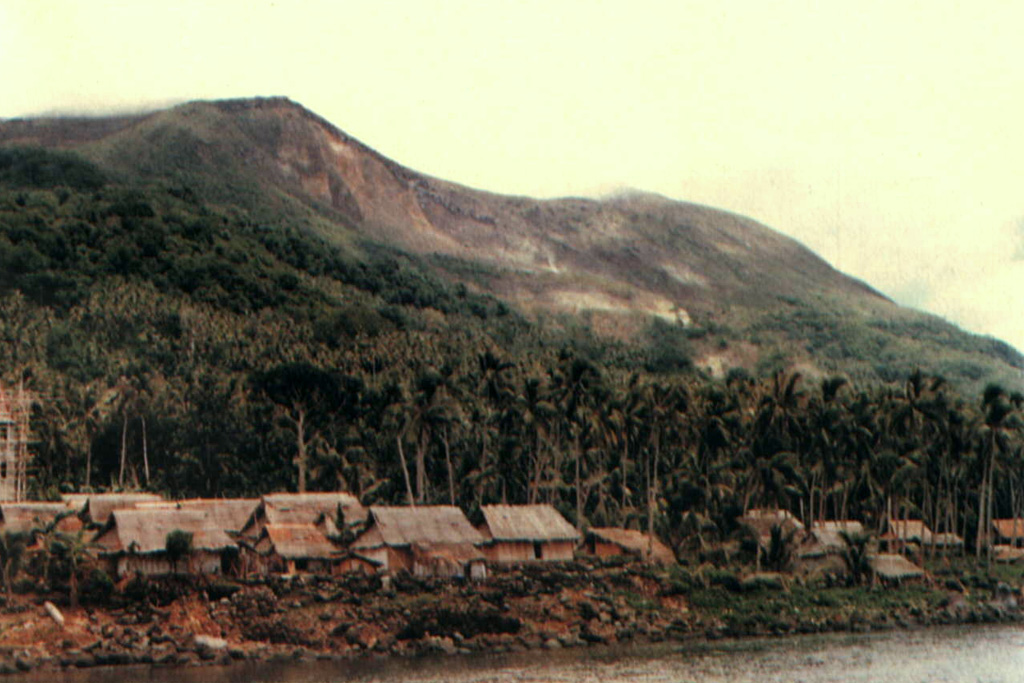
x=688, y=283
x=193, y=349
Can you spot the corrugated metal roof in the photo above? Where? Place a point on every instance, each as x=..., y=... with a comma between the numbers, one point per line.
x=145, y=531
x=635, y=542
x=892, y=566
x=405, y=526
x=527, y=523
x=298, y=541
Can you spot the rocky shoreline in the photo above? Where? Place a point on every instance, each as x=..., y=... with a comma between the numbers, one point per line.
x=578, y=604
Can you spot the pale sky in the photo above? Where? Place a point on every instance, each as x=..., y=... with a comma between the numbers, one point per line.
x=887, y=136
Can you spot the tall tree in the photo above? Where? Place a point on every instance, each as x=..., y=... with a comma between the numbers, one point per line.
x=304, y=396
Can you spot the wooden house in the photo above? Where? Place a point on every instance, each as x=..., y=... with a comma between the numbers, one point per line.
x=303, y=508
x=135, y=542
x=526, y=533
x=96, y=507
x=615, y=542
x=294, y=548
x=434, y=540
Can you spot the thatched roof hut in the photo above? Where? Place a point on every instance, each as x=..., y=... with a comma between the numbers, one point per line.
x=426, y=524
x=229, y=514
x=826, y=538
x=325, y=502
x=908, y=531
x=98, y=506
x=25, y=517
x=303, y=508
x=145, y=531
x=296, y=542
x=526, y=523
x=397, y=536
x=902, y=531
x=760, y=522
x=135, y=541
x=1009, y=530
x=893, y=567
x=521, y=533
x=611, y=541
x=448, y=560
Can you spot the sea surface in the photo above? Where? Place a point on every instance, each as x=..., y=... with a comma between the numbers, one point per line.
x=990, y=654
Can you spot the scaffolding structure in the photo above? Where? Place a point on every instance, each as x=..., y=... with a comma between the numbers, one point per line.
x=15, y=409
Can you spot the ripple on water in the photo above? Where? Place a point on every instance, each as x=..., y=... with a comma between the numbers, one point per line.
x=989, y=654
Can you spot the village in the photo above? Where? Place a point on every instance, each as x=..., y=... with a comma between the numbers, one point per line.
x=135, y=534
x=319, y=575
x=132, y=577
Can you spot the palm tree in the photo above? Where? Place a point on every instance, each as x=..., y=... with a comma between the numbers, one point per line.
x=995, y=434
x=781, y=549
x=855, y=555
x=76, y=550
x=575, y=384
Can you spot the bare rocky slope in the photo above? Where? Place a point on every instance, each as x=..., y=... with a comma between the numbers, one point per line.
x=628, y=267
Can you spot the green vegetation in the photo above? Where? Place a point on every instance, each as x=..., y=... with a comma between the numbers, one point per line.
x=178, y=546
x=761, y=610
x=197, y=350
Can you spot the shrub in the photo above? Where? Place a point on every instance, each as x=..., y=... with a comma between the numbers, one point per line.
x=725, y=579
x=222, y=589
x=97, y=588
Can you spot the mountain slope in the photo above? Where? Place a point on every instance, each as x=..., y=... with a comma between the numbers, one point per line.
x=635, y=267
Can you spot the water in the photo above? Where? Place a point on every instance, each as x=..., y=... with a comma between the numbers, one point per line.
x=981, y=654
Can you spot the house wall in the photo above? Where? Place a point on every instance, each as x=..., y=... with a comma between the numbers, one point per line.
x=391, y=559
x=157, y=564
x=508, y=552
x=321, y=567
x=272, y=563
x=511, y=552
x=447, y=570
x=398, y=559
x=604, y=549
x=354, y=564
x=557, y=551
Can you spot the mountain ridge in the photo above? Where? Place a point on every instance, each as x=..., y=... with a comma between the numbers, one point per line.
x=618, y=263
